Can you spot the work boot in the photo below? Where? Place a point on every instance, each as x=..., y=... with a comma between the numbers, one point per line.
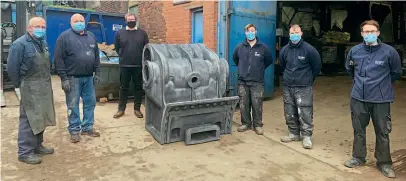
x=118, y=114
x=42, y=150
x=243, y=128
x=307, y=142
x=91, y=133
x=30, y=159
x=74, y=138
x=259, y=130
x=138, y=113
x=353, y=162
x=387, y=171
x=290, y=138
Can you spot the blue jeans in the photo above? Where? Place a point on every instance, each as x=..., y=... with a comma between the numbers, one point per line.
x=81, y=87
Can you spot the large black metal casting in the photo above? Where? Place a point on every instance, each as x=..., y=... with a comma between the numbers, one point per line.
x=184, y=87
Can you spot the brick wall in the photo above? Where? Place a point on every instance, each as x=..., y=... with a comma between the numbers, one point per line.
x=165, y=22
x=151, y=19
x=113, y=7
x=178, y=22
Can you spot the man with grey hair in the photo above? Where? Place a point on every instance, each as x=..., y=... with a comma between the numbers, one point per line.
x=28, y=66
x=300, y=63
x=129, y=44
x=77, y=63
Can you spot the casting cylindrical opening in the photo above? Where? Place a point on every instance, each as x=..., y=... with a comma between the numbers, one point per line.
x=147, y=55
x=194, y=79
x=146, y=73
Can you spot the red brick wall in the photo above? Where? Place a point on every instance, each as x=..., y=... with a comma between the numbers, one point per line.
x=113, y=7
x=210, y=24
x=165, y=22
x=178, y=22
x=151, y=19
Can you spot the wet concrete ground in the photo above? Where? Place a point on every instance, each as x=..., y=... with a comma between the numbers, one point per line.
x=126, y=151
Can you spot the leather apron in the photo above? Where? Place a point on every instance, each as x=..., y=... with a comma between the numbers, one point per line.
x=36, y=92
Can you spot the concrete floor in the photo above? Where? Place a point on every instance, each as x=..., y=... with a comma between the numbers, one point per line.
x=126, y=151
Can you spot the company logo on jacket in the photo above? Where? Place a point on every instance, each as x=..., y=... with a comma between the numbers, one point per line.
x=379, y=62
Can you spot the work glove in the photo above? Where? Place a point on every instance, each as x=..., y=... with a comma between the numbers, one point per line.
x=66, y=85
x=96, y=79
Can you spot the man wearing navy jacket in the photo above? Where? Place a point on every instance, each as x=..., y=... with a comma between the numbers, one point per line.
x=373, y=67
x=300, y=63
x=77, y=63
x=252, y=58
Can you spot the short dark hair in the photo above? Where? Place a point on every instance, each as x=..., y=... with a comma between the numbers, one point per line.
x=370, y=22
x=130, y=14
x=248, y=26
x=294, y=25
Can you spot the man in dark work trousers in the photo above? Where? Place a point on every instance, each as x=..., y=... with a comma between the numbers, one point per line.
x=300, y=63
x=129, y=44
x=252, y=58
x=373, y=67
x=28, y=68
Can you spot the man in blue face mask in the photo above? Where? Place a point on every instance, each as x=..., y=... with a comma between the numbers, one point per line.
x=373, y=67
x=300, y=63
x=252, y=58
x=77, y=63
x=29, y=69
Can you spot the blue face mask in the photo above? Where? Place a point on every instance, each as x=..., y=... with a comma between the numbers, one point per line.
x=79, y=26
x=38, y=33
x=370, y=38
x=250, y=35
x=294, y=37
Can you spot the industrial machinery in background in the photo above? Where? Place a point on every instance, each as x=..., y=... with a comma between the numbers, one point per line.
x=185, y=87
x=333, y=28
x=8, y=36
x=10, y=31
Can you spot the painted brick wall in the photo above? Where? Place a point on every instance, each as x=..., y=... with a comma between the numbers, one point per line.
x=151, y=19
x=113, y=7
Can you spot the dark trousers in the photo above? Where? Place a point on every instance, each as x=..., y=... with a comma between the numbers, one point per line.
x=251, y=96
x=298, y=108
x=277, y=75
x=361, y=112
x=27, y=141
x=126, y=75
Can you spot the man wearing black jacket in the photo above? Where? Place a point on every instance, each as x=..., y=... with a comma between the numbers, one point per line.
x=300, y=63
x=129, y=44
x=252, y=58
x=77, y=63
